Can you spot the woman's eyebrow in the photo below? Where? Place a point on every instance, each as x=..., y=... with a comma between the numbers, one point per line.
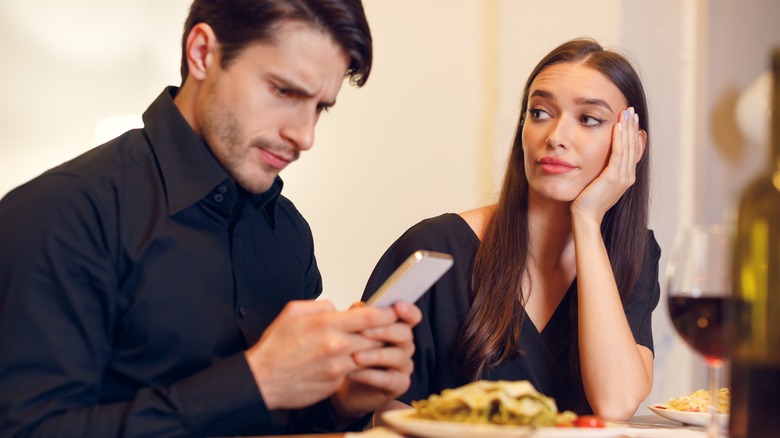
x=579, y=101
x=543, y=94
x=593, y=101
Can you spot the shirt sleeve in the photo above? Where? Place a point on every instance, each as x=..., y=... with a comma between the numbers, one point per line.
x=58, y=292
x=301, y=231
x=320, y=418
x=645, y=295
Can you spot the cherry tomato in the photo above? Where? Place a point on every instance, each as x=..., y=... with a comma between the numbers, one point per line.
x=588, y=421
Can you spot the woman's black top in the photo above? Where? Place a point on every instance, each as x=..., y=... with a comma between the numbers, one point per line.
x=548, y=355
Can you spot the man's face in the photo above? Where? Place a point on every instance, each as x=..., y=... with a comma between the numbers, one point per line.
x=258, y=113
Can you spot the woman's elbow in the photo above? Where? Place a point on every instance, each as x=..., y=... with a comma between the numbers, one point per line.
x=619, y=408
x=619, y=411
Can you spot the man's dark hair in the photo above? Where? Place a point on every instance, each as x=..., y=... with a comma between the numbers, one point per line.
x=239, y=23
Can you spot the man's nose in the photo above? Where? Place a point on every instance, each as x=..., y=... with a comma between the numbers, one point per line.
x=300, y=132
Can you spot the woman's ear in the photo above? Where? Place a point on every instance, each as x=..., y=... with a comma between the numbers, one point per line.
x=642, y=144
x=201, y=49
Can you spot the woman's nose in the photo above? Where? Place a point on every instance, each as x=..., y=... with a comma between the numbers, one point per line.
x=560, y=134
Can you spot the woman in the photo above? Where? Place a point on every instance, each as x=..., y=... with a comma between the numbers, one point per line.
x=555, y=283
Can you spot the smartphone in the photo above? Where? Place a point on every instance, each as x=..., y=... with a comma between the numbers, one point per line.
x=412, y=279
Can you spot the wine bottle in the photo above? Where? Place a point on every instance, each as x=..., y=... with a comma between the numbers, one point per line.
x=755, y=367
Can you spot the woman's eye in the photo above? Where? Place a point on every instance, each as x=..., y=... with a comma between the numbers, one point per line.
x=591, y=121
x=538, y=114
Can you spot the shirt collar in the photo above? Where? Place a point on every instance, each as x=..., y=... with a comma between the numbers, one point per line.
x=189, y=170
x=268, y=200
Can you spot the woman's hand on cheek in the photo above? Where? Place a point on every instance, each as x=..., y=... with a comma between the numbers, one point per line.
x=619, y=174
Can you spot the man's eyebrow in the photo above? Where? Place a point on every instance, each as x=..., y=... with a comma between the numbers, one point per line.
x=300, y=91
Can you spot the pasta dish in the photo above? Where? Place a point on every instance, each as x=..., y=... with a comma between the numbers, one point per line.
x=495, y=402
x=699, y=401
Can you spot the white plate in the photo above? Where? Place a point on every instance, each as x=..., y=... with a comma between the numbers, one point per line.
x=402, y=420
x=691, y=418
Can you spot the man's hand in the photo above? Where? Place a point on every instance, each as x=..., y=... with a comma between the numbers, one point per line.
x=384, y=371
x=306, y=354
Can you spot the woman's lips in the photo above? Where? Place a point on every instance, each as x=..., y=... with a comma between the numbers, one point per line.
x=555, y=165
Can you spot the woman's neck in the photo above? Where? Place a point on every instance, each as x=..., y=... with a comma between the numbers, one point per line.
x=551, y=244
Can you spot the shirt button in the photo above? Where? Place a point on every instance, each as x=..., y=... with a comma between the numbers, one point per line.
x=242, y=311
x=222, y=189
x=218, y=197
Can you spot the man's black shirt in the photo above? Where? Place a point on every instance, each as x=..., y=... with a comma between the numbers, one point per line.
x=132, y=279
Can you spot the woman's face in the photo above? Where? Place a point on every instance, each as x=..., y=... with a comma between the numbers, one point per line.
x=567, y=134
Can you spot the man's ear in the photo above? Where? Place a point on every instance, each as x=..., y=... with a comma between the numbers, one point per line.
x=201, y=50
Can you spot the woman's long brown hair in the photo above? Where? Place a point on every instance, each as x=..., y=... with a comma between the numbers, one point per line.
x=491, y=332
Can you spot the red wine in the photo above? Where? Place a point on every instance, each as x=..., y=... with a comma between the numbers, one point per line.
x=701, y=323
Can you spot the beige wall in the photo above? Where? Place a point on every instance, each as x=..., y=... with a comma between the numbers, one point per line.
x=734, y=59
x=68, y=64
x=404, y=147
x=430, y=131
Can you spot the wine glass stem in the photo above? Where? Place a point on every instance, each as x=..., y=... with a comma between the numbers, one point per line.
x=713, y=425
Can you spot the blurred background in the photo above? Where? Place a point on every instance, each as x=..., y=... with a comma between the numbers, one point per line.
x=431, y=130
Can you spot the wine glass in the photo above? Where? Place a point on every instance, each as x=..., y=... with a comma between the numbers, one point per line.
x=699, y=280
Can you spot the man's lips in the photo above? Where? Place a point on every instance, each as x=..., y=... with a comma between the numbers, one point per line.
x=274, y=160
x=555, y=165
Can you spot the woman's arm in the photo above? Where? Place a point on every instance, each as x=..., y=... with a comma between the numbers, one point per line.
x=617, y=373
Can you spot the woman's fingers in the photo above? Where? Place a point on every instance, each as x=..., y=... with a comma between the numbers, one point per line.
x=627, y=149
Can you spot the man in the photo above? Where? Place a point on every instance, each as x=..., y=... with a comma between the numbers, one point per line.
x=160, y=285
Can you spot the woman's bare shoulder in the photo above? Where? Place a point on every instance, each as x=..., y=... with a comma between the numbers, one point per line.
x=478, y=218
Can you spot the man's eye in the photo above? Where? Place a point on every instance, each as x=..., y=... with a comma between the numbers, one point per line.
x=284, y=92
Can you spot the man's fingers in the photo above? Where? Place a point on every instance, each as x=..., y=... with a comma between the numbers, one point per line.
x=389, y=357
x=306, y=307
x=392, y=382
x=408, y=313
x=362, y=318
x=397, y=334
x=348, y=344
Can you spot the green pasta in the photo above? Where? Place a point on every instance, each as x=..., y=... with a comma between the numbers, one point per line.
x=494, y=402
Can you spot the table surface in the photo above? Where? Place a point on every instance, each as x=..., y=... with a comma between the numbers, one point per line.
x=639, y=420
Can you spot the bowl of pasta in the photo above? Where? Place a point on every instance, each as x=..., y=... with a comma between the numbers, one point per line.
x=495, y=409
x=693, y=409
